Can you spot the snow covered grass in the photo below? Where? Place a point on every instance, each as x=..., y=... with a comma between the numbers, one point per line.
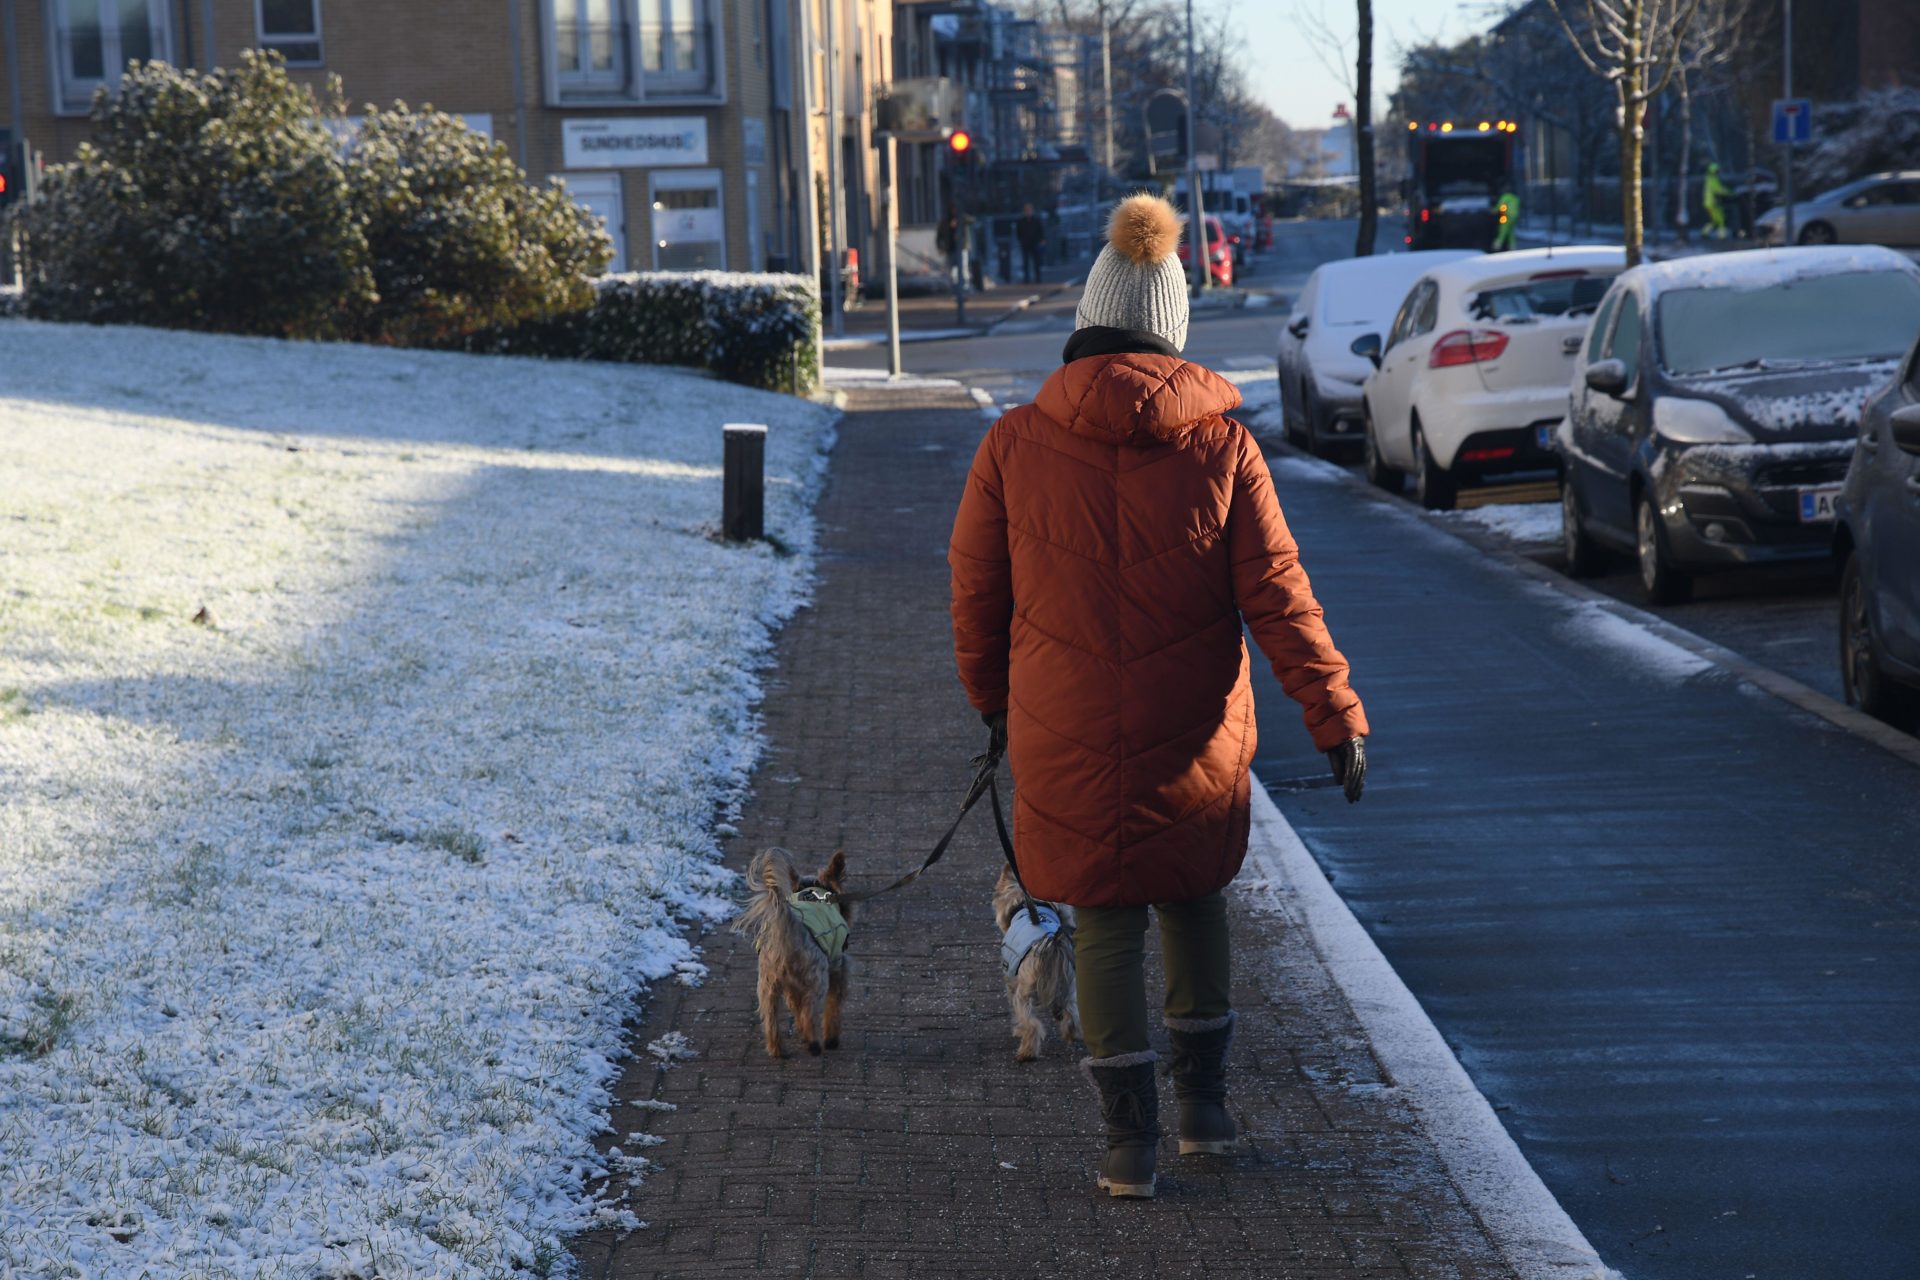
x=1523, y=522
x=364, y=718
x=1259, y=409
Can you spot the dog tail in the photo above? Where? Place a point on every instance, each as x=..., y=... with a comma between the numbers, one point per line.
x=1052, y=961
x=770, y=878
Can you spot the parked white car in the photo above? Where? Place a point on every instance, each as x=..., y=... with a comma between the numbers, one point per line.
x=1320, y=378
x=1472, y=375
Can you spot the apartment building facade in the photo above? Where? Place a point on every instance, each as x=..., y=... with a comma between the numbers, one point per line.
x=684, y=123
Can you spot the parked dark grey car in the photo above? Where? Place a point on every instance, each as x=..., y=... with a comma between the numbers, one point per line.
x=1877, y=538
x=1715, y=402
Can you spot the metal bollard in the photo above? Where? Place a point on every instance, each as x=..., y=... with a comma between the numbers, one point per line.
x=744, y=484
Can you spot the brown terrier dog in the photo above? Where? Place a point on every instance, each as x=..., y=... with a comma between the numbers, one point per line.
x=800, y=932
x=1038, y=958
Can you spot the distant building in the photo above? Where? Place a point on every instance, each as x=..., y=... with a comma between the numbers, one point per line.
x=683, y=122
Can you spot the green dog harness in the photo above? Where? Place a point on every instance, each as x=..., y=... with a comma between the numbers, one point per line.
x=822, y=918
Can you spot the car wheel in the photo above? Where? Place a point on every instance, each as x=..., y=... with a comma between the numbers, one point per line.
x=1435, y=487
x=1309, y=423
x=1289, y=416
x=1817, y=233
x=1583, y=554
x=1658, y=578
x=1867, y=686
x=1379, y=474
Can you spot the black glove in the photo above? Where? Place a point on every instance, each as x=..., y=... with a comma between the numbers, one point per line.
x=1349, y=761
x=996, y=722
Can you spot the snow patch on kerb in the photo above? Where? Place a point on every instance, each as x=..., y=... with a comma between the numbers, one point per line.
x=1528, y=1226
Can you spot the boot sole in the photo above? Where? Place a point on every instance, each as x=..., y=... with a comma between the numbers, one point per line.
x=1196, y=1147
x=1127, y=1190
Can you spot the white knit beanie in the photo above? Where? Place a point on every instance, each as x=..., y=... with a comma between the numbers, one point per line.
x=1137, y=281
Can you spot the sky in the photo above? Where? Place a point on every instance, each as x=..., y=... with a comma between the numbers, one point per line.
x=1286, y=72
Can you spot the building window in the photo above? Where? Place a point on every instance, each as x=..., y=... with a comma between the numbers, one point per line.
x=94, y=40
x=630, y=50
x=689, y=225
x=290, y=28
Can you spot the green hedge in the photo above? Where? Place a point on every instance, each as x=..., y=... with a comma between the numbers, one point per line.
x=752, y=329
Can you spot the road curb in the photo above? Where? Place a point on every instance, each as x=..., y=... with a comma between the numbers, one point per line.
x=1521, y=1217
x=1784, y=687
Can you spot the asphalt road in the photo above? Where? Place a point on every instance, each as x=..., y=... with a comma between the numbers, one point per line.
x=1669, y=924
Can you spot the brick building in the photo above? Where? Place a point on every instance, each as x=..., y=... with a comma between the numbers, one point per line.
x=683, y=122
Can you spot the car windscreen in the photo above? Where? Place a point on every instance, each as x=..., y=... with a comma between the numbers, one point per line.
x=1854, y=315
x=1548, y=294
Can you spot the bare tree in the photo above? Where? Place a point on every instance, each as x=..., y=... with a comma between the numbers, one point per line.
x=1363, y=133
x=1634, y=45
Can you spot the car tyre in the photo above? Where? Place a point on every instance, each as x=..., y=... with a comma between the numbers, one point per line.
x=1290, y=416
x=1818, y=233
x=1867, y=686
x=1658, y=578
x=1379, y=474
x=1584, y=556
x=1435, y=487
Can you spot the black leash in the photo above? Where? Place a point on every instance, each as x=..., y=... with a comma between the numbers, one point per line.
x=985, y=783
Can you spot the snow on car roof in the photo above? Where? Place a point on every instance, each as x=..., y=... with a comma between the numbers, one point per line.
x=1519, y=264
x=1366, y=290
x=1758, y=268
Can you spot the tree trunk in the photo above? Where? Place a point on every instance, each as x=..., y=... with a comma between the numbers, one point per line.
x=1632, y=103
x=1363, y=133
x=1683, y=213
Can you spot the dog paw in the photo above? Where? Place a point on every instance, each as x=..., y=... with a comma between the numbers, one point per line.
x=813, y=1047
x=834, y=1043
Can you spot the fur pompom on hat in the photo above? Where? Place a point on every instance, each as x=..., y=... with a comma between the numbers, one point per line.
x=1144, y=229
x=1137, y=281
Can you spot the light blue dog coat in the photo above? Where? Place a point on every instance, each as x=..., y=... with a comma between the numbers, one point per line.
x=1023, y=935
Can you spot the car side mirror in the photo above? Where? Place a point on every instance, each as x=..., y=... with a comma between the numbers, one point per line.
x=1367, y=345
x=1609, y=376
x=1298, y=328
x=1906, y=429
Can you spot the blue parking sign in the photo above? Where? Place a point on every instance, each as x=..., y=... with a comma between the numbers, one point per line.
x=1792, y=119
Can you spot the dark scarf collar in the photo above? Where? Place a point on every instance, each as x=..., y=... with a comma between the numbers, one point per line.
x=1099, y=340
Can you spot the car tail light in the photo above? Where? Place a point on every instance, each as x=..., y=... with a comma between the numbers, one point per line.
x=1424, y=213
x=1466, y=346
x=1486, y=455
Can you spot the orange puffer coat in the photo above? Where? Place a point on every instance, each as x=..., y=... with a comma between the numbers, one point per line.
x=1112, y=536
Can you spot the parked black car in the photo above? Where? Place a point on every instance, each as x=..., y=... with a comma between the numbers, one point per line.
x=1877, y=537
x=1714, y=405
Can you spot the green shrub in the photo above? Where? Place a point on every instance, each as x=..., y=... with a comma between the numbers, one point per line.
x=456, y=238
x=205, y=201
x=752, y=329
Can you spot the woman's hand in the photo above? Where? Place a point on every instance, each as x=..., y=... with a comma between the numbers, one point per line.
x=1349, y=761
x=996, y=722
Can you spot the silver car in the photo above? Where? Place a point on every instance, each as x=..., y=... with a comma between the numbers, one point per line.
x=1882, y=209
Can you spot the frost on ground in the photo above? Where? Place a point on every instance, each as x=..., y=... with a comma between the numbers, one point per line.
x=319, y=916
x=1259, y=410
x=1525, y=522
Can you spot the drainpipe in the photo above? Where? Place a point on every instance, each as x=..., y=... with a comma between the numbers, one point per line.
x=519, y=85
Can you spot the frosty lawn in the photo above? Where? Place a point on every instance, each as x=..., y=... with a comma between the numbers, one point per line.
x=319, y=916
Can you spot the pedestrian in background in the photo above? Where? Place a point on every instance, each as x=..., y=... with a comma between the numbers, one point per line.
x=1508, y=214
x=1031, y=232
x=1113, y=536
x=1713, y=191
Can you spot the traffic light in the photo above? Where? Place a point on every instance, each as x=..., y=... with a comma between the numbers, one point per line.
x=9, y=180
x=959, y=142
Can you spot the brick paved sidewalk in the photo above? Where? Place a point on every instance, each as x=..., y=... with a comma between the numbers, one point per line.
x=921, y=1148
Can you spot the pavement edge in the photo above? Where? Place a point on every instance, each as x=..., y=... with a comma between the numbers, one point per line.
x=1526, y=1224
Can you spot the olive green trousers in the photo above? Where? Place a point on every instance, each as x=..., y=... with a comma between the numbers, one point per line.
x=1109, y=961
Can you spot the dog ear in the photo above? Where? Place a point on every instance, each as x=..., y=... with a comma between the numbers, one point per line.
x=835, y=869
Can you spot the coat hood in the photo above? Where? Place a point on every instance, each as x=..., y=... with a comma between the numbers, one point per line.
x=1135, y=399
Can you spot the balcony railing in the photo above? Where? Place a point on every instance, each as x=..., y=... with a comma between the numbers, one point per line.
x=675, y=60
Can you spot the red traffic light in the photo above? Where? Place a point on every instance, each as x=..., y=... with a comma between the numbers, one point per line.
x=958, y=141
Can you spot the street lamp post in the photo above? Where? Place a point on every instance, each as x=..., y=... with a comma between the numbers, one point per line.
x=1196, y=207
x=1106, y=80
x=836, y=231
x=1786, y=166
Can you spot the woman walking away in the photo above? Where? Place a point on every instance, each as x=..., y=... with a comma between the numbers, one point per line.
x=1112, y=536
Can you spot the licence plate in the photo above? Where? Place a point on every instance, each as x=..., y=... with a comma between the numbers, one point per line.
x=1816, y=505
x=1543, y=437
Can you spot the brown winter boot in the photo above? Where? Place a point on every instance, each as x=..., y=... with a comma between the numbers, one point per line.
x=1130, y=1104
x=1199, y=1071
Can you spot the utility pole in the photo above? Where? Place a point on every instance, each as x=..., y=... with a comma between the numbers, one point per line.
x=807, y=200
x=1197, y=241
x=1106, y=80
x=836, y=230
x=890, y=194
x=1786, y=166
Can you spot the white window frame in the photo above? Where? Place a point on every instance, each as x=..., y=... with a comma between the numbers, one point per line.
x=632, y=85
x=73, y=95
x=269, y=39
x=606, y=186
x=659, y=180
